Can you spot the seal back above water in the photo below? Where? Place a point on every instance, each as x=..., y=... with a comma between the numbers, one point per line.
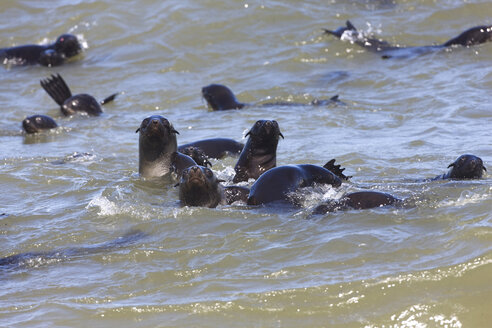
x=276, y=184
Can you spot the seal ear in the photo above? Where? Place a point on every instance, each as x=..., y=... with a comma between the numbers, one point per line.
x=280, y=134
x=452, y=164
x=137, y=130
x=220, y=180
x=176, y=185
x=484, y=168
x=174, y=131
x=247, y=134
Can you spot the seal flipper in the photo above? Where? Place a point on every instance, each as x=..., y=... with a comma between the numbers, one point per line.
x=236, y=193
x=109, y=99
x=336, y=169
x=56, y=88
x=339, y=31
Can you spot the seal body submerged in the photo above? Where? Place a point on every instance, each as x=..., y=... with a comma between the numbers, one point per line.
x=260, y=152
x=358, y=200
x=65, y=46
x=158, y=148
x=58, y=90
x=473, y=36
x=276, y=184
x=199, y=186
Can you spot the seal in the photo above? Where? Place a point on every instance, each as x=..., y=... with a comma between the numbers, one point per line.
x=358, y=200
x=215, y=147
x=38, y=123
x=58, y=90
x=197, y=154
x=464, y=167
x=55, y=54
x=260, y=152
x=278, y=183
x=199, y=186
x=220, y=97
x=28, y=259
x=158, y=149
x=473, y=36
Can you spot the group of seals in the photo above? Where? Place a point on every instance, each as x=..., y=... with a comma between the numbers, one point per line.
x=473, y=36
x=220, y=97
x=55, y=54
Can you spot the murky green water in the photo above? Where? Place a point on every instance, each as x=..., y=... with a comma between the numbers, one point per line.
x=405, y=120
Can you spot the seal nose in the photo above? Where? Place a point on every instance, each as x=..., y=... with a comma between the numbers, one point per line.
x=194, y=169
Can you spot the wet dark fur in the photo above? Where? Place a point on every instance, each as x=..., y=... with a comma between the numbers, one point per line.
x=358, y=200
x=199, y=186
x=216, y=147
x=260, y=152
x=464, y=167
x=473, y=36
x=158, y=155
x=38, y=123
x=59, y=91
x=55, y=54
x=276, y=184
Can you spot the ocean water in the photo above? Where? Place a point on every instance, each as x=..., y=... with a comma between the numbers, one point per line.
x=404, y=120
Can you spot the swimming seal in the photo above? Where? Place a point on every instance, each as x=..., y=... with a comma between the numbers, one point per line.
x=358, y=200
x=220, y=97
x=260, y=152
x=158, y=149
x=215, y=147
x=65, y=46
x=36, y=258
x=200, y=187
x=464, y=167
x=473, y=36
x=197, y=154
x=38, y=123
x=278, y=183
x=58, y=90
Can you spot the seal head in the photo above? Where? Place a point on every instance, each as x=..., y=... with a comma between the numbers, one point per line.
x=260, y=152
x=465, y=167
x=67, y=45
x=38, y=123
x=220, y=97
x=200, y=187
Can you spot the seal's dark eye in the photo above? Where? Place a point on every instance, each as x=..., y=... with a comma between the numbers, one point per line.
x=145, y=122
x=209, y=173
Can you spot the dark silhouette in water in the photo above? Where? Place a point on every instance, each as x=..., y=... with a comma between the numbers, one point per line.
x=473, y=36
x=33, y=259
x=220, y=97
x=70, y=105
x=464, y=167
x=55, y=54
x=38, y=123
x=358, y=201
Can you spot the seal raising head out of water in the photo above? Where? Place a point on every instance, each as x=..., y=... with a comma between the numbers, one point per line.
x=80, y=103
x=277, y=184
x=158, y=149
x=260, y=152
x=38, y=123
x=200, y=187
x=66, y=46
x=464, y=167
x=473, y=36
